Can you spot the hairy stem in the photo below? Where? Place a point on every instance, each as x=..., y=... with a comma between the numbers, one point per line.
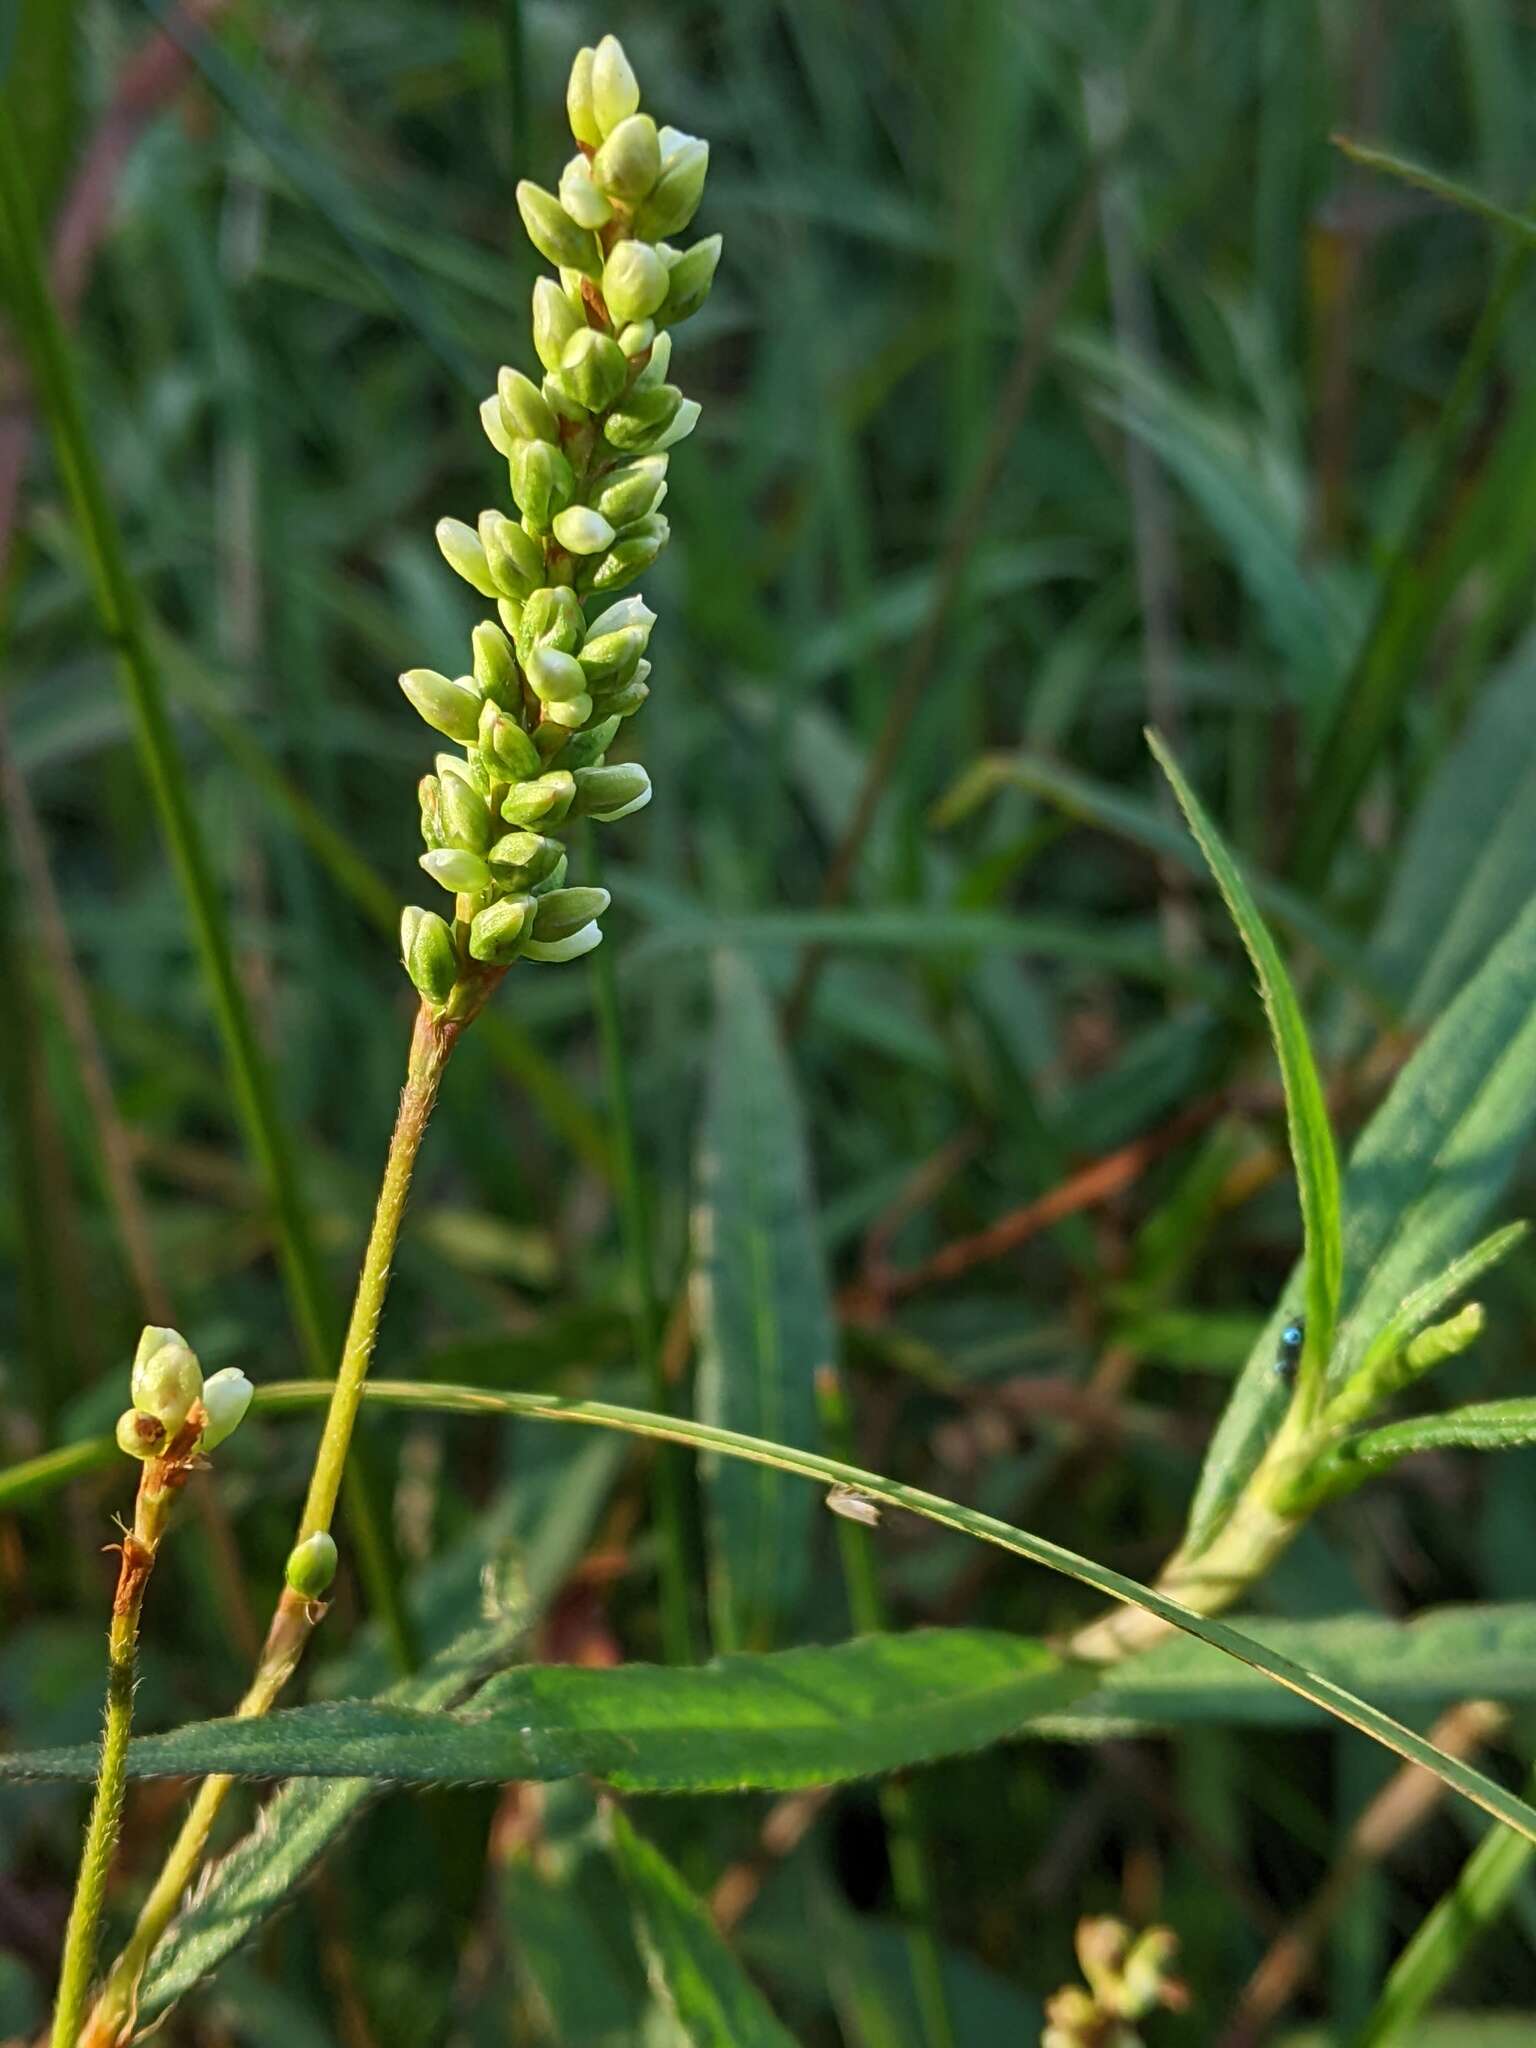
x=295, y=1618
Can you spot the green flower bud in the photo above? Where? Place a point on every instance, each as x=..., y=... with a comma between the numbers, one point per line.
x=166, y=1377
x=692, y=274
x=555, y=320
x=449, y=707
x=226, y=1396
x=459, y=872
x=613, y=656
x=634, y=281
x=629, y=493
x=674, y=199
x=140, y=1435
x=525, y=411
x=623, y=612
x=496, y=935
x=637, y=337
x=581, y=531
x=503, y=738
x=593, y=369
x=462, y=552
x=542, y=483
x=312, y=1565
x=580, y=197
x=563, y=399
x=578, y=101
x=611, y=792
x=554, y=677
x=543, y=801
x=429, y=793
x=555, y=879
x=571, y=948
x=655, y=371
x=552, y=231
x=641, y=417
x=563, y=911
x=510, y=612
x=526, y=858
x=464, y=768
x=626, y=702
x=552, y=617
x=515, y=559
x=612, y=88
x=629, y=162
x=633, y=553
x=586, y=749
x=426, y=947
x=466, y=817
x=569, y=713
x=684, y=420
x=494, y=425
x=495, y=663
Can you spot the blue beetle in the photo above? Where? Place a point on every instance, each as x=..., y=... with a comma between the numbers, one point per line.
x=1292, y=1338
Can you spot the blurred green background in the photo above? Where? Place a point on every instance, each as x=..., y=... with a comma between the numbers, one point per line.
x=1061, y=376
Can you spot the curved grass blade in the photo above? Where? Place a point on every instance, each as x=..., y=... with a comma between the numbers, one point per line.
x=1306, y=1111
x=1308, y=1685
x=714, y=2002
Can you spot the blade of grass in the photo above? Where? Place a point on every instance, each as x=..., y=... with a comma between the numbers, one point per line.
x=122, y=616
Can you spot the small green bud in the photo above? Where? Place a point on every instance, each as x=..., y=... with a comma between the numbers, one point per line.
x=312, y=1565
x=572, y=947
x=463, y=553
x=552, y=231
x=426, y=947
x=459, y=872
x=554, y=677
x=166, y=1377
x=563, y=911
x=527, y=857
x=581, y=531
x=655, y=371
x=684, y=420
x=633, y=553
x=552, y=617
x=612, y=792
x=629, y=493
x=580, y=196
x=226, y=1396
x=140, y=1435
x=635, y=424
x=448, y=706
x=1444, y=1340
x=578, y=101
x=634, y=281
x=542, y=483
x=495, y=663
x=674, y=199
x=466, y=817
x=496, y=935
x=466, y=767
x=495, y=427
x=612, y=655
x=624, y=703
x=593, y=369
x=586, y=749
x=429, y=792
x=622, y=613
x=555, y=879
x=503, y=738
x=510, y=612
x=555, y=320
x=637, y=337
x=563, y=399
x=525, y=411
x=629, y=162
x=692, y=274
x=612, y=88
x=543, y=801
x=515, y=558
x=569, y=713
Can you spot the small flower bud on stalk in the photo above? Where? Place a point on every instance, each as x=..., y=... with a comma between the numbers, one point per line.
x=227, y=1394
x=312, y=1565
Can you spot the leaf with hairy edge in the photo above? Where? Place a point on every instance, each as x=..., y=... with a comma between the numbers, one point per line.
x=1428, y=1167
x=1484, y=1426
x=714, y=2001
x=764, y=1314
x=1306, y=1111
x=811, y=1716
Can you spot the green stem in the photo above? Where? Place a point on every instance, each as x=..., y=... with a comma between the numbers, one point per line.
x=432, y=1042
x=670, y=1494
x=117, y=600
x=906, y=1846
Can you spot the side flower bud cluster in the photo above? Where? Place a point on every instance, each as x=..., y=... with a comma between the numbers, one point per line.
x=562, y=664
x=168, y=1390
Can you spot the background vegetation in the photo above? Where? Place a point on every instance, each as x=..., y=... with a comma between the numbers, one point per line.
x=1060, y=376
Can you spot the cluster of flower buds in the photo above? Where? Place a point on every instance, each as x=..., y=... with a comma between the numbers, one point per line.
x=169, y=1391
x=1128, y=1979
x=561, y=666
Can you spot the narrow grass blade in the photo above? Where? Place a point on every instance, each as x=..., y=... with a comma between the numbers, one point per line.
x=713, y=2001
x=1426, y=179
x=1311, y=1133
